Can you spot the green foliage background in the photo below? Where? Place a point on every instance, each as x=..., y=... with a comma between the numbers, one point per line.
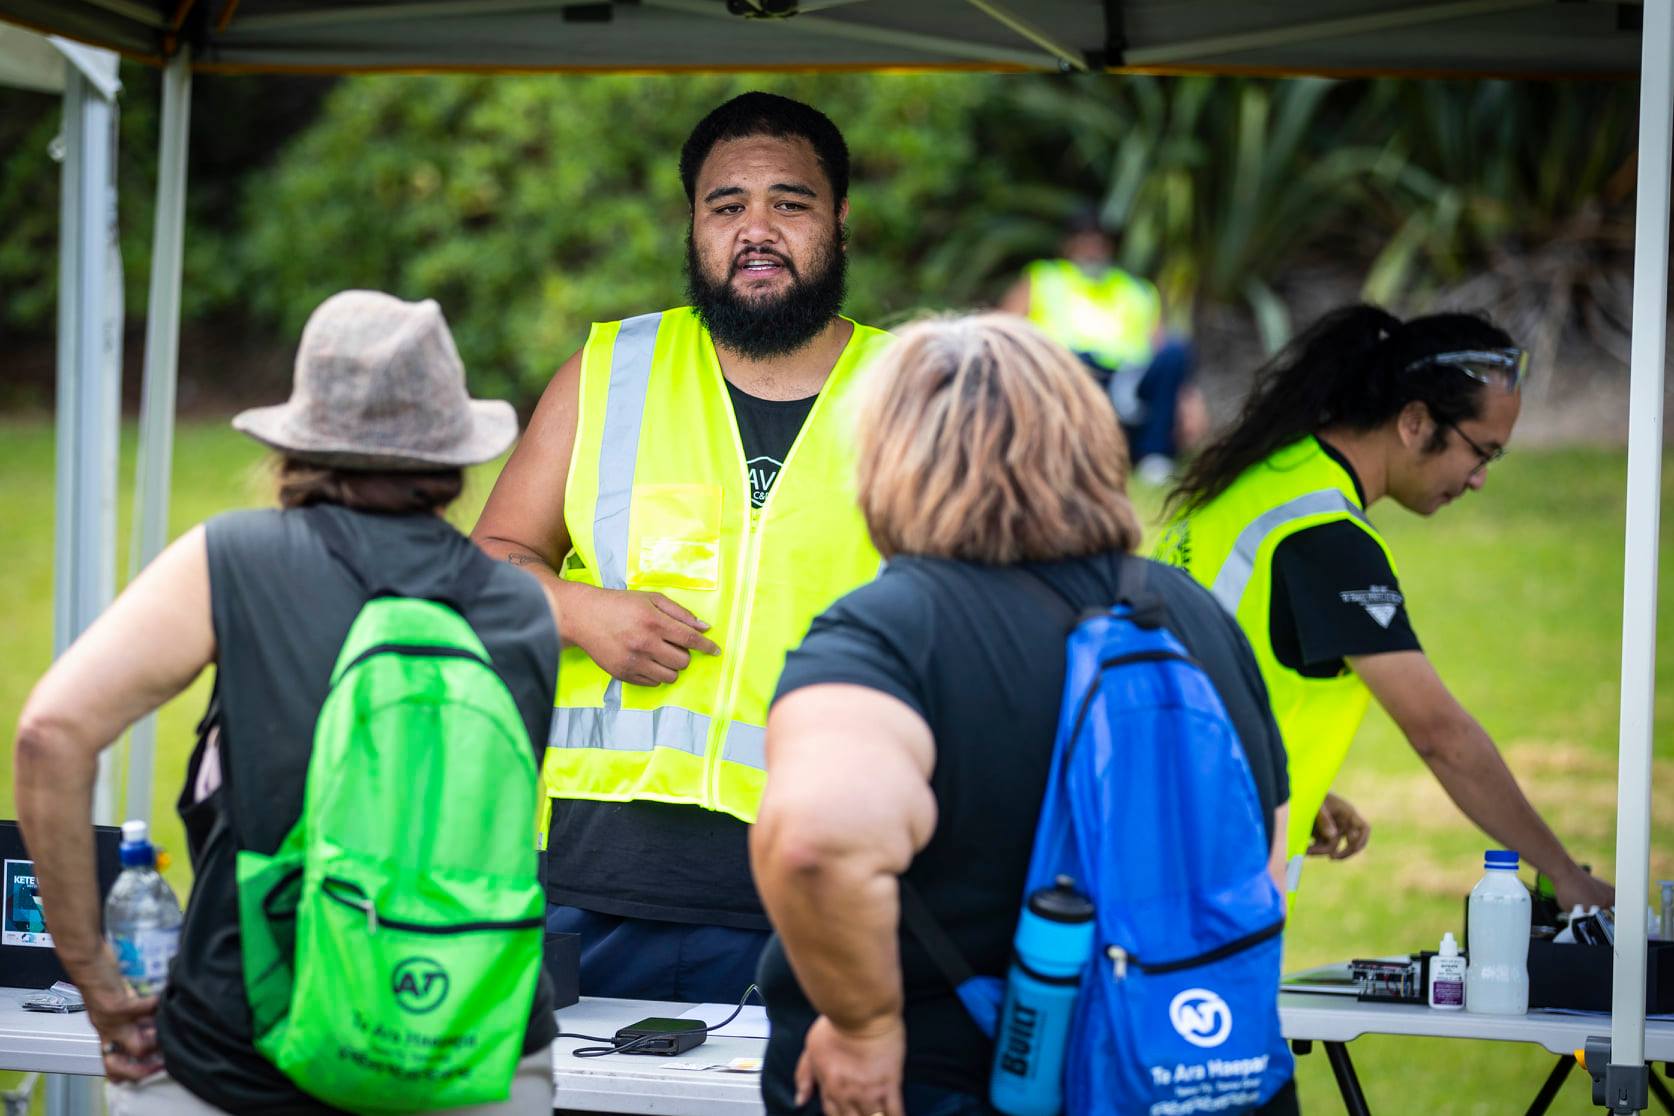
x=530, y=206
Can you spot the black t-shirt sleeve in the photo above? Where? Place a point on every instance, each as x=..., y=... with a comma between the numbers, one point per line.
x=878, y=636
x=1335, y=595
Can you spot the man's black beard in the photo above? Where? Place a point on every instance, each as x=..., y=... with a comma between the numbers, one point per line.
x=770, y=327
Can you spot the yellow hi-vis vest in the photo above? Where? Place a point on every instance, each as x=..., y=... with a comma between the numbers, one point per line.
x=1113, y=316
x=1228, y=546
x=658, y=499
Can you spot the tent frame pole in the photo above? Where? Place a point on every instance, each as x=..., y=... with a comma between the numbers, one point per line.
x=162, y=370
x=89, y=383
x=1626, y=1077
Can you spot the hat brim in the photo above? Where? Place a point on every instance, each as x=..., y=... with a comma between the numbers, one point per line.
x=493, y=430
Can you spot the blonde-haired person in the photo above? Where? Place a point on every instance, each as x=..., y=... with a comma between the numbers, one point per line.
x=913, y=728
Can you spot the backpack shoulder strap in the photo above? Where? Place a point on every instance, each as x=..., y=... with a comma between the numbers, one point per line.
x=943, y=953
x=1133, y=590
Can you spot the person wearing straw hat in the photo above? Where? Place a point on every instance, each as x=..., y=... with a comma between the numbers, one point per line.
x=375, y=438
x=686, y=494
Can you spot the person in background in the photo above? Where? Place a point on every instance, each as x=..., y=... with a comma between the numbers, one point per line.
x=375, y=436
x=1114, y=322
x=1272, y=518
x=913, y=729
x=686, y=495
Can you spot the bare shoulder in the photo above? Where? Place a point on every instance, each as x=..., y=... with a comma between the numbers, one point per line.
x=526, y=506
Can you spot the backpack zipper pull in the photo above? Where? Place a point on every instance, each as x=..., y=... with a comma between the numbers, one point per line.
x=1119, y=962
x=371, y=918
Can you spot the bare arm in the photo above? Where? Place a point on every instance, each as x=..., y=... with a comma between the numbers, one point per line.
x=523, y=520
x=1468, y=765
x=1016, y=298
x=643, y=638
x=144, y=649
x=847, y=807
x=1276, y=854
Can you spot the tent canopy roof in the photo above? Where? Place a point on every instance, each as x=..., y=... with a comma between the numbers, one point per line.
x=1537, y=38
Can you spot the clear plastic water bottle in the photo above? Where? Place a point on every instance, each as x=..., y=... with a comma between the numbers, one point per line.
x=142, y=916
x=1053, y=942
x=1497, y=977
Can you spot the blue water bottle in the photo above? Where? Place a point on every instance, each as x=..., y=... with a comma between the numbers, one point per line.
x=1054, y=939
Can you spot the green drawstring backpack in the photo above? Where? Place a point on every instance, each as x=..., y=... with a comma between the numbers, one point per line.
x=392, y=944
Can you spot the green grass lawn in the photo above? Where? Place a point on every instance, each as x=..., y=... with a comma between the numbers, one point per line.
x=1516, y=594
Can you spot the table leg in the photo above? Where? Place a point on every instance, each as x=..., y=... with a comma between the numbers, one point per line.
x=1554, y=1082
x=1347, y=1083
x=1660, y=1091
x=71, y=1095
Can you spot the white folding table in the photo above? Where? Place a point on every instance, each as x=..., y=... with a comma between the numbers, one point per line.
x=1335, y=1020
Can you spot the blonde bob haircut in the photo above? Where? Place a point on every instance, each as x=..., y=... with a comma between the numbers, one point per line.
x=981, y=439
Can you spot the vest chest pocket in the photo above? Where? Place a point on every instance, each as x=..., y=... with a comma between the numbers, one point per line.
x=675, y=537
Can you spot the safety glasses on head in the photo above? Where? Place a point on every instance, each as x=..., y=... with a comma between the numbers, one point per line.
x=1501, y=368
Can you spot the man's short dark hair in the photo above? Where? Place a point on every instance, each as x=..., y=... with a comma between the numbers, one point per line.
x=767, y=114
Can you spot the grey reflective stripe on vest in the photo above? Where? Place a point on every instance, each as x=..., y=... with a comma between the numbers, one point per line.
x=745, y=744
x=629, y=730
x=630, y=379
x=1234, y=575
x=640, y=730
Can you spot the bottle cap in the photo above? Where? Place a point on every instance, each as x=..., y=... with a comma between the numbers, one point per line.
x=1500, y=858
x=1061, y=902
x=1449, y=945
x=136, y=850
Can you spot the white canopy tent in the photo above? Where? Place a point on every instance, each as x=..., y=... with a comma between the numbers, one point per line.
x=1439, y=38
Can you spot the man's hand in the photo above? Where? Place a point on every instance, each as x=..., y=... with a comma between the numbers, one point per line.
x=1586, y=889
x=1339, y=830
x=642, y=638
x=127, y=1024
x=855, y=1073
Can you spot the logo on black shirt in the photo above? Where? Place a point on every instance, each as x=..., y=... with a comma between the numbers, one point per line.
x=1380, y=602
x=764, y=471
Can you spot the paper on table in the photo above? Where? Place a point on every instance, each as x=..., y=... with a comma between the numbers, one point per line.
x=751, y=1022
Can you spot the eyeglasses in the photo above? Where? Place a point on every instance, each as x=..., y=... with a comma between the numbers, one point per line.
x=1485, y=457
x=1501, y=368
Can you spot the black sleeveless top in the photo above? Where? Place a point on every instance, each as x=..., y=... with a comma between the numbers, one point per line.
x=281, y=607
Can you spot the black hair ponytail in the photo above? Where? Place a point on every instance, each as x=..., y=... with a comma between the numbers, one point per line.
x=1354, y=368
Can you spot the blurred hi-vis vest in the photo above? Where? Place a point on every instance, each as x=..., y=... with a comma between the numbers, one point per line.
x=1228, y=546
x=1112, y=316
x=658, y=499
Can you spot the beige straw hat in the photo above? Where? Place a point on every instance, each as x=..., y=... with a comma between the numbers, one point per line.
x=379, y=385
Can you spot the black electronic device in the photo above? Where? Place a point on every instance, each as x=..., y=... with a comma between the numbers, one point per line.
x=27, y=959
x=658, y=1035
x=561, y=955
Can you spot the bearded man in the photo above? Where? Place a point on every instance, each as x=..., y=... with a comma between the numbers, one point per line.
x=685, y=495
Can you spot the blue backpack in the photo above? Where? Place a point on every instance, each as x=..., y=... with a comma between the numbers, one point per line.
x=1151, y=809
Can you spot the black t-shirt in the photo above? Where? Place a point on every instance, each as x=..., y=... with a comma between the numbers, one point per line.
x=658, y=860
x=972, y=650
x=768, y=428
x=281, y=606
x=1334, y=595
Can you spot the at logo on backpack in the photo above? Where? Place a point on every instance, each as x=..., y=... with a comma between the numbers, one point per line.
x=1201, y=1017
x=419, y=985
